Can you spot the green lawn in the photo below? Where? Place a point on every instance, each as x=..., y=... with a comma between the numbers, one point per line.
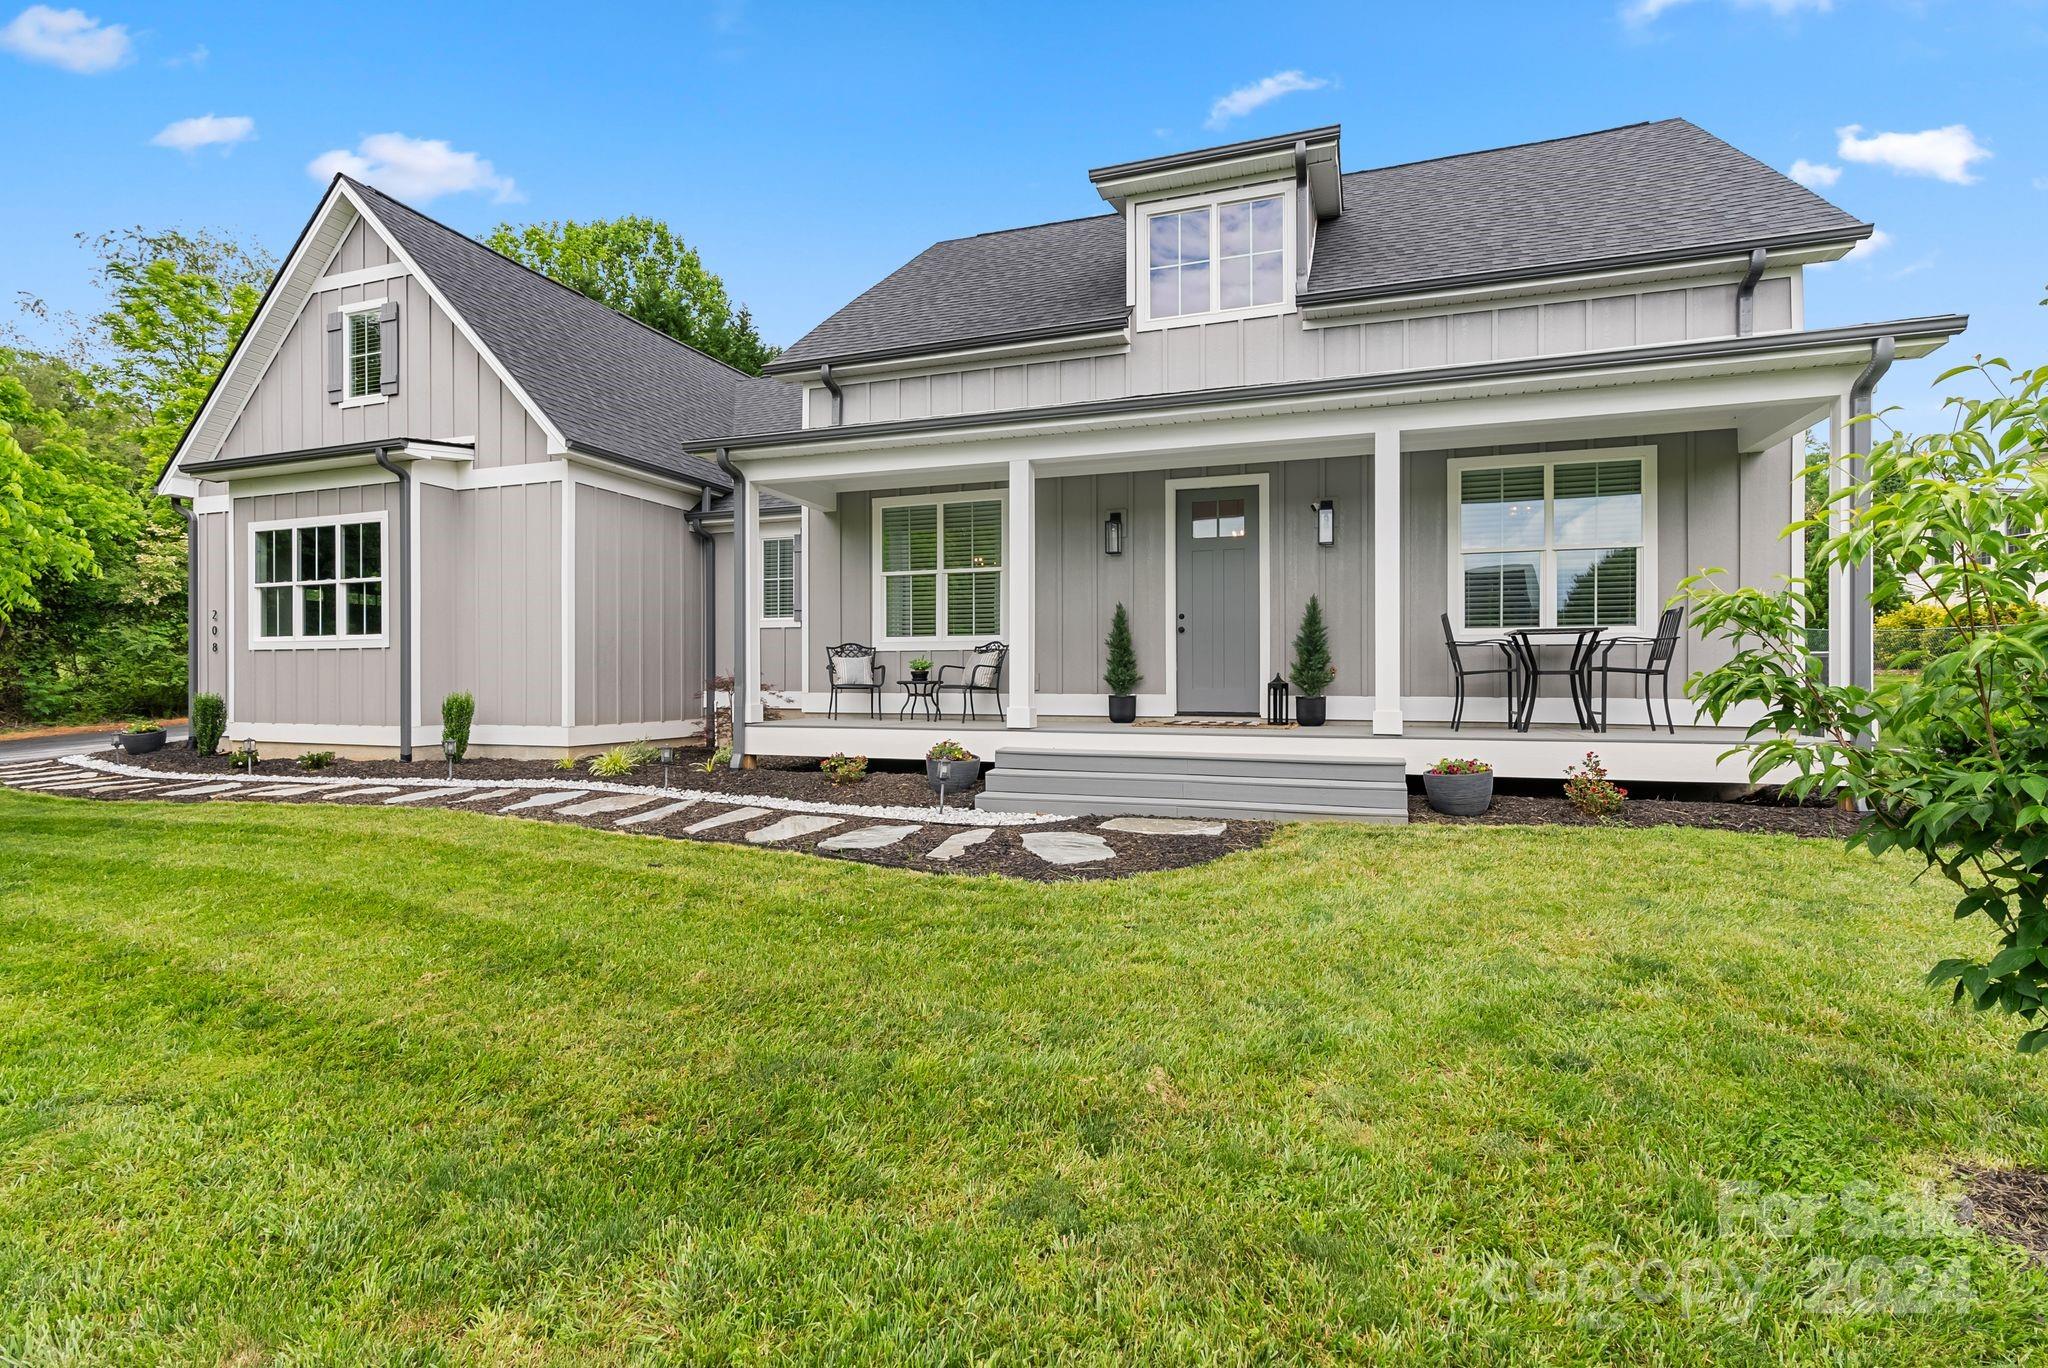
x=339, y=1085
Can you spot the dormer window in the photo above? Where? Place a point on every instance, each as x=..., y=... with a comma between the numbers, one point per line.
x=1219, y=254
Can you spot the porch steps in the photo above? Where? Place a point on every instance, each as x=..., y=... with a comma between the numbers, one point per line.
x=1272, y=788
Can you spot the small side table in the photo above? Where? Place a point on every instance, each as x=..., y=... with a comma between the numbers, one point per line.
x=924, y=693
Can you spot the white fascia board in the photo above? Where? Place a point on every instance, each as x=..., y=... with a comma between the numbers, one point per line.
x=589, y=465
x=1574, y=285
x=1103, y=340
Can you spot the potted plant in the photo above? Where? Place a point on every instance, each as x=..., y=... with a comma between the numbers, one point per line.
x=1461, y=788
x=140, y=738
x=1121, y=673
x=962, y=769
x=921, y=668
x=1312, y=672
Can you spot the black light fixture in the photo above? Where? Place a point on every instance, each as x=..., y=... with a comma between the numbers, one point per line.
x=1326, y=521
x=668, y=757
x=1276, y=702
x=945, y=778
x=448, y=749
x=1113, y=533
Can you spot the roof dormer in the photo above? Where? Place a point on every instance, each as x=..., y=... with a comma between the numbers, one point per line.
x=1225, y=232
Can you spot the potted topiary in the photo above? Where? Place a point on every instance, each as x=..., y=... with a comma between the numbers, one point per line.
x=921, y=668
x=1461, y=788
x=140, y=738
x=1121, y=672
x=961, y=769
x=1312, y=672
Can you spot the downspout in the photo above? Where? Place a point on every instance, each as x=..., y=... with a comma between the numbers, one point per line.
x=695, y=518
x=832, y=388
x=1745, y=293
x=404, y=478
x=1301, y=213
x=742, y=534
x=1862, y=577
x=185, y=507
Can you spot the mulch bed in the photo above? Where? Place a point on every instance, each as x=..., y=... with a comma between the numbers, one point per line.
x=1762, y=815
x=2010, y=1205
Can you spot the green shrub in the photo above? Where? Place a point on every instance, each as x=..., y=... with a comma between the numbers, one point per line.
x=1591, y=791
x=566, y=763
x=948, y=750
x=209, y=721
x=720, y=758
x=316, y=760
x=1312, y=672
x=458, y=710
x=616, y=763
x=1121, y=673
x=845, y=769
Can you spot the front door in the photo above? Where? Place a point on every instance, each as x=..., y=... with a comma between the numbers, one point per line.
x=1216, y=585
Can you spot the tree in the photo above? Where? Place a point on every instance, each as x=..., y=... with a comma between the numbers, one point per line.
x=1953, y=764
x=60, y=506
x=641, y=268
x=1312, y=672
x=1121, y=672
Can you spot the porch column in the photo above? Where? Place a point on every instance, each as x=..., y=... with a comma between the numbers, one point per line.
x=1387, y=585
x=1840, y=610
x=747, y=574
x=1020, y=605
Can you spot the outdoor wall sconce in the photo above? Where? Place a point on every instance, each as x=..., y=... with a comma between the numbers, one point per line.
x=1113, y=534
x=1326, y=521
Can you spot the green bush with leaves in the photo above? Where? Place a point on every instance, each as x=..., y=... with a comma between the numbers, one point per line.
x=1120, y=672
x=1587, y=788
x=316, y=760
x=209, y=722
x=1952, y=764
x=845, y=769
x=1313, y=671
x=720, y=759
x=458, y=710
x=616, y=763
x=566, y=763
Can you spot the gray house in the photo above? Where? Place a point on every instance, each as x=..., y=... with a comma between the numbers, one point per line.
x=1516, y=391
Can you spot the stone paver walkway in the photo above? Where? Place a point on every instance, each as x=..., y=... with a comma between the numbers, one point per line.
x=1163, y=826
x=745, y=814
x=867, y=838
x=958, y=844
x=656, y=814
x=612, y=802
x=541, y=800
x=1067, y=847
x=424, y=795
x=791, y=827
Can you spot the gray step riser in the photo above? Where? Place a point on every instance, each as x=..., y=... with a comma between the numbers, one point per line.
x=1252, y=767
x=1198, y=788
x=1066, y=806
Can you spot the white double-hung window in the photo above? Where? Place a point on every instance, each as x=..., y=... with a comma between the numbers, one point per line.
x=1219, y=254
x=1545, y=540
x=940, y=571
x=318, y=582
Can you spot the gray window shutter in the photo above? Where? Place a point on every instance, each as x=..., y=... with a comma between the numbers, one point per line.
x=335, y=347
x=387, y=345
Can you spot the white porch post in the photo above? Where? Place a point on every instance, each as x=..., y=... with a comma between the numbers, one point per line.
x=1387, y=586
x=1839, y=606
x=1020, y=605
x=746, y=654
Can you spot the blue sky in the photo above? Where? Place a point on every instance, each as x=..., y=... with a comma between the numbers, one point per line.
x=809, y=150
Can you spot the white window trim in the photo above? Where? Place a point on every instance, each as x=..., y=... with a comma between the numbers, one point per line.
x=1140, y=261
x=941, y=642
x=360, y=400
x=341, y=639
x=1647, y=604
x=795, y=587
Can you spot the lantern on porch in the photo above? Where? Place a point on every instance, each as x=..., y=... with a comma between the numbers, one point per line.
x=1326, y=521
x=1276, y=702
x=1113, y=533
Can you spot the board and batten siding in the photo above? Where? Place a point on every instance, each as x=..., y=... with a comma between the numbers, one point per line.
x=314, y=685
x=782, y=648
x=491, y=602
x=639, y=580
x=210, y=557
x=1230, y=352
x=446, y=390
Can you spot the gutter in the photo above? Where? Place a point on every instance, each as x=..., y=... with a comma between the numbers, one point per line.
x=227, y=464
x=709, y=554
x=405, y=572
x=185, y=507
x=1862, y=573
x=953, y=346
x=742, y=658
x=832, y=387
x=1745, y=293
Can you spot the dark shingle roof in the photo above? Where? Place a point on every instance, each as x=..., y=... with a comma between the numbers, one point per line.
x=610, y=384
x=1643, y=191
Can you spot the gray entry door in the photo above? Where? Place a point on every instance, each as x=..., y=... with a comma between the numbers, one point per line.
x=1216, y=583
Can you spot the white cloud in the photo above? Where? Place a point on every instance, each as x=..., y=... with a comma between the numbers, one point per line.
x=1638, y=13
x=1246, y=98
x=418, y=169
x=66, y=38
x=1814, y=175
x=1944, y=153
x=1863, y=251
x=195, y=58
x=206, y=130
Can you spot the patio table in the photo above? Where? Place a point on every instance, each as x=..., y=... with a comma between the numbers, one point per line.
x=1584, y=642
x=924, y=693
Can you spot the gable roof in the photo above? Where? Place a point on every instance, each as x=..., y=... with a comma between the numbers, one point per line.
x=1640, y=193
x=610, y=384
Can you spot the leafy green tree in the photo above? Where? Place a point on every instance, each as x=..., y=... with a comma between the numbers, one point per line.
x=61, y=507
x=1952, y=764
x=1121, y=671
x=641, y=268
x=1312, y=672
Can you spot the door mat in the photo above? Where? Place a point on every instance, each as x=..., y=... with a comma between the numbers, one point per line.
x=1241, y=722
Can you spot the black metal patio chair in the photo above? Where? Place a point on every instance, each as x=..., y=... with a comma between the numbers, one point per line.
x=1460, y=671
x=1663, y=647
x=851, y=667
x=982, y=674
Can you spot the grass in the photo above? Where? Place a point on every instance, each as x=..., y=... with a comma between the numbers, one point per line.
x=324, y=1085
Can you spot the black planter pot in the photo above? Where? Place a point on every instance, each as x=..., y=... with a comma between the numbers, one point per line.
x=1123, y=707
x=1311, y=712
x=965, y=772
x=1459, y=795
x=920, y=676
x=140, y=743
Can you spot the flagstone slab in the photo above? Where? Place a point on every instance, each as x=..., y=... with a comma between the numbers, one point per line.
x=611, y=802
x=867, y=838
x=281, y=791
x=959, y=843
x=541, y=800
x=1068, y=847
x=1163, y=826
x=791, y=827
x=485, y=796
x=656, y=814
x=424, y=795
x=200, y=790
x=745, y=814
x=366, y=791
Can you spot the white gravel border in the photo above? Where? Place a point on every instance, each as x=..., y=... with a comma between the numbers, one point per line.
x=934, y=816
